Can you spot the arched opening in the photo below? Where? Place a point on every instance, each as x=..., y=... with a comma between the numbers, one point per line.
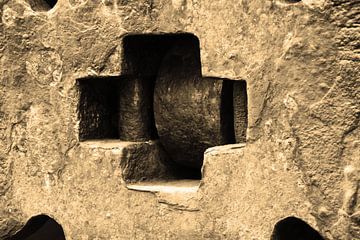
x=42, y=5
x=292, y=228
x=40, y=227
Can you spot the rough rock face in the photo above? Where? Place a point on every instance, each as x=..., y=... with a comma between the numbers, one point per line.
x=300, y=61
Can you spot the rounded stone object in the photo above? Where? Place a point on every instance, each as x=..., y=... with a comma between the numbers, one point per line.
x=191, y=113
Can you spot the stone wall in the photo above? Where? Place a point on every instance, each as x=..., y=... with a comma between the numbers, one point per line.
x=300, y=61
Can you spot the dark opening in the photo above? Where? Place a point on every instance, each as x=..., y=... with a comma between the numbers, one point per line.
x=293, y=228
x=143, y=55
x=293, y=1
x=42, y=5
x=189, y=113
x=227, y=112
x=146, y=57
x=40, y=227
x=240, y=102
x=161, y=95
x=97, y=108
x=51, y=3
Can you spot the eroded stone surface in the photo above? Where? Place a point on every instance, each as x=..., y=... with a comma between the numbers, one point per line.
x=301, y=64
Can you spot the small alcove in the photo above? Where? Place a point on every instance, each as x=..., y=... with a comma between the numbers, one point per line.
x=41, y=227
x=42, y=5
x=161, y=97
x=292, y=228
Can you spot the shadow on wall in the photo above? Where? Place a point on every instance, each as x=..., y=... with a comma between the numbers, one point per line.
x=292, y=228
x=40, y=227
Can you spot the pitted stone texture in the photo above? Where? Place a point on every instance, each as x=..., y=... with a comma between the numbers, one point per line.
x=301, y=64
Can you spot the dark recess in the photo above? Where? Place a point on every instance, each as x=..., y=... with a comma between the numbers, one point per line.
x=143, y=54
x=227, y=112
x=162, y=95
x=98, y=107
x=143, y=57
x=42, y=5
x=240, y=104
x=293, y=228
x=40, y=227
x=51, y=3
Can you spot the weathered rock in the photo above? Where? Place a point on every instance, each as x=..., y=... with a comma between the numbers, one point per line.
x=300, y=61
x=145, y=162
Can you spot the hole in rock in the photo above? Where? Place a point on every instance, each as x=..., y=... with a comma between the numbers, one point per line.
x=40, y=227
x=97, y=109
x=162, y=104
x=148, y=60
x=188, y=113
x=295, y=229
x=42, y=5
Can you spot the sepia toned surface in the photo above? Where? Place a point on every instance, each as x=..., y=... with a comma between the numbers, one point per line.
x=62, y=68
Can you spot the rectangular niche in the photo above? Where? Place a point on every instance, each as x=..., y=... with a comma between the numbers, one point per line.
x=98, y=108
